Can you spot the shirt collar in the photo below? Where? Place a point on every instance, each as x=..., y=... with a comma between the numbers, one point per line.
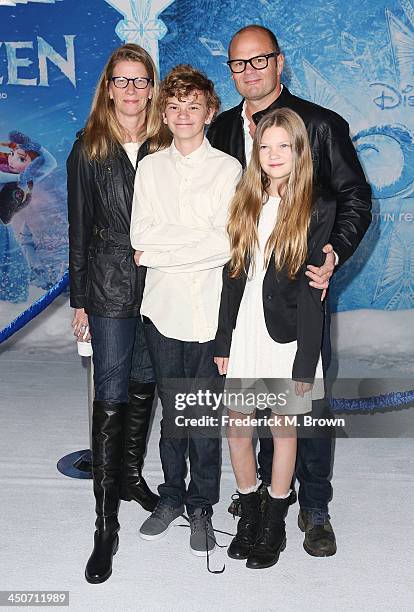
x=244, y=116
x=194, y=158
x=281, y=100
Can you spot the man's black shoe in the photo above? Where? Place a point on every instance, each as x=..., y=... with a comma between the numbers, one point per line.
x=319, y=536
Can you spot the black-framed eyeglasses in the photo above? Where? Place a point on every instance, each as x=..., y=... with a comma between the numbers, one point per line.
x=123, y=82
x=259, y=62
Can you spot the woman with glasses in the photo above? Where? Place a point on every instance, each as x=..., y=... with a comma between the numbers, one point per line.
x=106, y=285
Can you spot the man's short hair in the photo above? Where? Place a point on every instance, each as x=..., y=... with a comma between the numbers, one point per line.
x=182, y=81
x=253, y=27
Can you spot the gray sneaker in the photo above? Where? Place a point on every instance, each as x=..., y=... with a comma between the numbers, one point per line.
x=157, y=525
x=202, y=538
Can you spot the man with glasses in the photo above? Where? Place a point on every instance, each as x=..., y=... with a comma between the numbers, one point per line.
x=256, y=65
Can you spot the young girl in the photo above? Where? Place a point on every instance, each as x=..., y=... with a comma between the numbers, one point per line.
x=278, y=224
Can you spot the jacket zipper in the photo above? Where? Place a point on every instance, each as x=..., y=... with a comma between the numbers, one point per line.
x=112, y=193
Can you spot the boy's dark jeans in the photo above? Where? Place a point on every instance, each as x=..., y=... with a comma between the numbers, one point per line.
x=180, y=360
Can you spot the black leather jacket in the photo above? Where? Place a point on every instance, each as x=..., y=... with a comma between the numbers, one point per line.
x=336, y=165
x=292, y=308
x=103, y=276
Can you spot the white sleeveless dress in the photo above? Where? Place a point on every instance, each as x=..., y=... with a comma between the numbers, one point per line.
x=254, y=356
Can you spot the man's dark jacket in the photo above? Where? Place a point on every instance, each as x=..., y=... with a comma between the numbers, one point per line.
x=336, y=165
x=103, y=276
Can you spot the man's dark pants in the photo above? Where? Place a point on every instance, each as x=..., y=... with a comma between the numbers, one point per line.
x=189, y=362
x=314, y=457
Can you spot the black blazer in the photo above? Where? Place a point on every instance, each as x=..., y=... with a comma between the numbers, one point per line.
x=292, y=308
x=335, y=163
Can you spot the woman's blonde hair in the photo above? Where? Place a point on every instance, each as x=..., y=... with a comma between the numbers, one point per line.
x=288, y=240
x=103, y=131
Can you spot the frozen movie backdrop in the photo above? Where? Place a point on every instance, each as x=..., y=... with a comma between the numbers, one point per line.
x=353, y=56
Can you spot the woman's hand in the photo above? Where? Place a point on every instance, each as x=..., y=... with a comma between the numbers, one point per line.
x=301, y=388
x=80, y=325
x=222, y=364
x=137, y=257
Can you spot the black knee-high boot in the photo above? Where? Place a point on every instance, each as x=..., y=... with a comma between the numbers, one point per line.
x=107, y=448
x=136, y=425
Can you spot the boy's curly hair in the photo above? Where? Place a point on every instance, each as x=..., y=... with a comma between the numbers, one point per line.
x=182, y=81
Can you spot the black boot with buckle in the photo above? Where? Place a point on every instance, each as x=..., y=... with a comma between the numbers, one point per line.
x=136, y=425
x=107, y=443
x=319, y=536
x=248, y=527
x=272, y=539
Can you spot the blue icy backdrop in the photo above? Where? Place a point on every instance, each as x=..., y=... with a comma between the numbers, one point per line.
x=354, y=56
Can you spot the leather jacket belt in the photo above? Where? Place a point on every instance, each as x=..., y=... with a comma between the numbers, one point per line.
x=108, y=235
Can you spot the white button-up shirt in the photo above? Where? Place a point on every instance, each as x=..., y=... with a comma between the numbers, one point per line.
x=179, y=214
x=248, y=140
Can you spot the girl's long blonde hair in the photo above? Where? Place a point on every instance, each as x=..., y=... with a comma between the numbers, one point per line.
x=103, y=131
x=288, y=240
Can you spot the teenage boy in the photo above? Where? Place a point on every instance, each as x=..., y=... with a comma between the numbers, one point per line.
x=180, y=205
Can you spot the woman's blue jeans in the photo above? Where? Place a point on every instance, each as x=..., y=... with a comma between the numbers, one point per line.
x=120, y=354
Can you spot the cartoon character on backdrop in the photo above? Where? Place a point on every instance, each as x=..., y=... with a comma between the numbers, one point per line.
x=23, y=162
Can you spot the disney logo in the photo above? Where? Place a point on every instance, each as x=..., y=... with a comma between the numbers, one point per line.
x=391, y=97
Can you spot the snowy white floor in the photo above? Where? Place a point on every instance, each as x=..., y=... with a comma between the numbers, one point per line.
x=47, y=519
